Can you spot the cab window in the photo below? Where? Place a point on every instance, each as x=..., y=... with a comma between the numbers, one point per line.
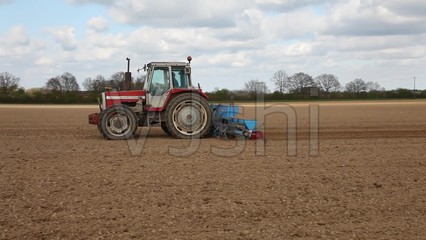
x=160, y=81
x=180, y=79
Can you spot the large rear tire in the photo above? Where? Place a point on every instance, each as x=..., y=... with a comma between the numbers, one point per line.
x=118, y=122
x=188, y=116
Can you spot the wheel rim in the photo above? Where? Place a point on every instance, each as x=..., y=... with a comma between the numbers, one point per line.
x=189, y=117
x=118, y=124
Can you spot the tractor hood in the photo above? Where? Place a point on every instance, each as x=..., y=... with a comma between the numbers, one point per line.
x=110, y=98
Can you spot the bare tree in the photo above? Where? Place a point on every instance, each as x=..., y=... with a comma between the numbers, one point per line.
x=299, y=81
x=8, y=83
x=139, y=83
x=54, y=84
x=95, y=85
x=328, y=83
x=253, y=87
x=117, y=80
x=356, y=86
x=64, y=83
x=280, y=80
x=69, y=82
x=87, y=84
x=374, y=87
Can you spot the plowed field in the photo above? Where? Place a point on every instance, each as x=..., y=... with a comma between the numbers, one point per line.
x=345, y=170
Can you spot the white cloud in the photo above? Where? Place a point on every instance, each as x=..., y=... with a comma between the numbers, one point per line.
x=376, y=18
x=98, y=24
x=299, y=49
x=290, y=5
x=298, y=24
x=184, y=13
x=18, y=35
x=65, y=36
x=45, y=61
x=409, y=8
x=233, y=41
x=238, y=59
x=100, y=47
x=16, y=43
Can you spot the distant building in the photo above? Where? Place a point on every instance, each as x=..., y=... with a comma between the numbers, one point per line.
x=33, y=91
x=310, y=92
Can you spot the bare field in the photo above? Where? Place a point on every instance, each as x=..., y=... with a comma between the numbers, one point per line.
x=59, y=179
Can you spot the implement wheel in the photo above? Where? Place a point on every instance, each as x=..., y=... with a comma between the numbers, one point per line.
x=118, y=122
x=188, y=116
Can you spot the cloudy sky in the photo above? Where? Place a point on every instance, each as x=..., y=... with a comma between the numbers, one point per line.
x=230, y=41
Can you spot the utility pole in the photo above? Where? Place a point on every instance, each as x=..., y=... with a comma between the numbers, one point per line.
x=414, y=92
x=414, y=83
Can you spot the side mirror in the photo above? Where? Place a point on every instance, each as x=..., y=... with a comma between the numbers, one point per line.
x=187, y=70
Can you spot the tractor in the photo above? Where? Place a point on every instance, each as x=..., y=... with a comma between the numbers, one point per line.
x=168, y=100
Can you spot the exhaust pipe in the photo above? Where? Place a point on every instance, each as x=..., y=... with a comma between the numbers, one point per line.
x=128, y=77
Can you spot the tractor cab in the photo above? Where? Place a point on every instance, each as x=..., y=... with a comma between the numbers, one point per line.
x=165, y=78
x=162, y=76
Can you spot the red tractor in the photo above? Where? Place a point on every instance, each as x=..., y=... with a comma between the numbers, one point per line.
x=168, y=100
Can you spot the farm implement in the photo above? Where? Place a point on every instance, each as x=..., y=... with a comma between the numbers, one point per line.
x=168, y=100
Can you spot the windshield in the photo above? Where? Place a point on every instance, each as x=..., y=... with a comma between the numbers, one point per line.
x=160, y=81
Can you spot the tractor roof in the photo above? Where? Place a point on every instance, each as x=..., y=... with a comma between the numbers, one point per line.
x=167, y=64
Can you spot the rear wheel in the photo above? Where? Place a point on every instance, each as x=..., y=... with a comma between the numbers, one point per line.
x=188, y=116
x=118, y=122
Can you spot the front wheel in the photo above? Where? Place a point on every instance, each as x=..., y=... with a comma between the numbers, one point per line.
x=165, y=129
x=118, y=122
x=188, y=116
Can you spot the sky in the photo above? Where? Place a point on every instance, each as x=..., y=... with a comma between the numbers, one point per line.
x=231, y=42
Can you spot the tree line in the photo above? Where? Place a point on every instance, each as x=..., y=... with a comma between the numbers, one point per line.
x=302, y=86
x=65, y=89
x=62, y=88
x=326, y=83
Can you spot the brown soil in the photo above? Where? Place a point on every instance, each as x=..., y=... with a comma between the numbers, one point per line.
x=59, y=179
